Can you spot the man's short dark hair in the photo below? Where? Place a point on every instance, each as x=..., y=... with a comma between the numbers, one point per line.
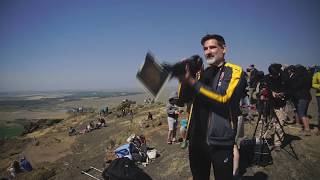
x=217, y=37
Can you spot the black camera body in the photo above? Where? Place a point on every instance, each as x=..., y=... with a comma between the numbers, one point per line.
x=194, y=63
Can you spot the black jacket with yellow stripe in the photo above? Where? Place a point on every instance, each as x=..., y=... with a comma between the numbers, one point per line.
x=214, y=102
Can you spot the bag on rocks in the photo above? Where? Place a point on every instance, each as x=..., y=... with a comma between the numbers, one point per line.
x=124, y=169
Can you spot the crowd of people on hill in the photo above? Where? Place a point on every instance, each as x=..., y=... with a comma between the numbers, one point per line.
x=284, y=88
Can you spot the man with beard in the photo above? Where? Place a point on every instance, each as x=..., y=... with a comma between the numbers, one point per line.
x=215, y=97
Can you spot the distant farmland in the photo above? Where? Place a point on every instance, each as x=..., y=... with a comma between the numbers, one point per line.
x=12, y=102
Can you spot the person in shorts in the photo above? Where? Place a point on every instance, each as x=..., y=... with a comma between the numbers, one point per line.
x=183, y=132
x=173, y=113
x=300, y=84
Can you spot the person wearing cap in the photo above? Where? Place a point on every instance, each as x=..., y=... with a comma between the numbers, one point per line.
x=173, y=113
x=215, y=98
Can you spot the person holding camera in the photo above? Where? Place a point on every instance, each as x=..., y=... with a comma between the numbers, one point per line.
x=278, y=89
x=215, y=97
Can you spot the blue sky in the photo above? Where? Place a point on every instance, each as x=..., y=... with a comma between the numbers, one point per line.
x=100, y=44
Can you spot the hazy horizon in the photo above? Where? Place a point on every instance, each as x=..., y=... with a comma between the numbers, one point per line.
x=74, y=90
x=90, y=45
x=133, y=89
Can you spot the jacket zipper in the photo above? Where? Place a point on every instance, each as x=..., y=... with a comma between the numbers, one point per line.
x=211, y=113
x=209, y=122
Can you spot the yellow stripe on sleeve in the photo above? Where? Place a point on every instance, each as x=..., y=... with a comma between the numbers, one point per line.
x=179, y=90
x=189, y=118
x=235, y=77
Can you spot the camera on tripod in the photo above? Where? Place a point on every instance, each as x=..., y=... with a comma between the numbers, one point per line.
x=264, y=91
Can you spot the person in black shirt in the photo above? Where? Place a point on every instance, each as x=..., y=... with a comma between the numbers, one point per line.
x=277, y=90
x=300, y=84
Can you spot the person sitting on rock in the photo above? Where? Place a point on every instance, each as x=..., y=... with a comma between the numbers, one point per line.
x=88, y=128
x=72, y=131
x=150, y=116
x=14, y=169
x=92, y=125
x=25, y=164
x=102, y=122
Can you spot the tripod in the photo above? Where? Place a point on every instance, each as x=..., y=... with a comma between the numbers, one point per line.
x=262, y=153
x=263, y=110
x=268, y=111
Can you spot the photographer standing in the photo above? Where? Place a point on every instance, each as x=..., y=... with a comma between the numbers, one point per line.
x=215, y=97
x=277, y=87
x=300, y=85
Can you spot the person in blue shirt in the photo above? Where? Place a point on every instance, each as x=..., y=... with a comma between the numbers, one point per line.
x=25, y=164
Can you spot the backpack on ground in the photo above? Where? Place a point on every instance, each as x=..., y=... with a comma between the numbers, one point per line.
x=138, y=148
x=124, y=169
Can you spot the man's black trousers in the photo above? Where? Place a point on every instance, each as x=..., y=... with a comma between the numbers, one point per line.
x=201, y=156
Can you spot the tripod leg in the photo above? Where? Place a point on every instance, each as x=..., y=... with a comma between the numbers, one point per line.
x=294, y=155
x=255, y=130
x=279, y=131
x=267, y=125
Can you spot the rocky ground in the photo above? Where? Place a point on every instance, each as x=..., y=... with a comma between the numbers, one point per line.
x=58, y=156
